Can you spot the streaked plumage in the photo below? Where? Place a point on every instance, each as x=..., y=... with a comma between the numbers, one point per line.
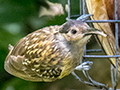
x=49, y=53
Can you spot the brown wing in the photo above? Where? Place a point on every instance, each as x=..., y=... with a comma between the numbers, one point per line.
x=38, y=56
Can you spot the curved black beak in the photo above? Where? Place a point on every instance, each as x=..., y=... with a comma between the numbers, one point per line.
x=94, y=31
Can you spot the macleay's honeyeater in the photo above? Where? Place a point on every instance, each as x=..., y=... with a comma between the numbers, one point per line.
x=49, y=53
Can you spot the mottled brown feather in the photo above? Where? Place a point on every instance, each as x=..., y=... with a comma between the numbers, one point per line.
x=49, y=53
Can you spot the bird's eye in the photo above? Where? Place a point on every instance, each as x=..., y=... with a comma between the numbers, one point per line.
x=73, y=31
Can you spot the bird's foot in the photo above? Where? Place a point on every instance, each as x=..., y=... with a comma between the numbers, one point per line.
x=84, y=66
x=90, y=82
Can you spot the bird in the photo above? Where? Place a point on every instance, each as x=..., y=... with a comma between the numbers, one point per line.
x=101, y=10
x=49, y=53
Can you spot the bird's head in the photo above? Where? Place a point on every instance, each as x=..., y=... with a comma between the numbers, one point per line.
x=75, y=30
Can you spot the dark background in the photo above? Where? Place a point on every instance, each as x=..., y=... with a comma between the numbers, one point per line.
x=20, y=17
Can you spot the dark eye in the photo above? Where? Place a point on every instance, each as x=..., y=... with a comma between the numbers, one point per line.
x=73, y=31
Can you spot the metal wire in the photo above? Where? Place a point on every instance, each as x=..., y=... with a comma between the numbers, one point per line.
x=102, y=21
x=83, y=9
x=114, y=74
x=69, y=12
x=117, y=46
x=102, y=56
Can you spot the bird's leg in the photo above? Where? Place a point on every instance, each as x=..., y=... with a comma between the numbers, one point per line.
x=85, y=66
x=94, y=83
x=81, y=80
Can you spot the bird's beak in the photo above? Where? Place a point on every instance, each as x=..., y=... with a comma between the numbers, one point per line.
x=93, y=31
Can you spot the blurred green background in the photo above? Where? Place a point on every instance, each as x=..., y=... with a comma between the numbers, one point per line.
x=20, y=17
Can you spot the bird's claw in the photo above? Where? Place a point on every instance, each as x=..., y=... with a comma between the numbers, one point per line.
x=84, y=66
